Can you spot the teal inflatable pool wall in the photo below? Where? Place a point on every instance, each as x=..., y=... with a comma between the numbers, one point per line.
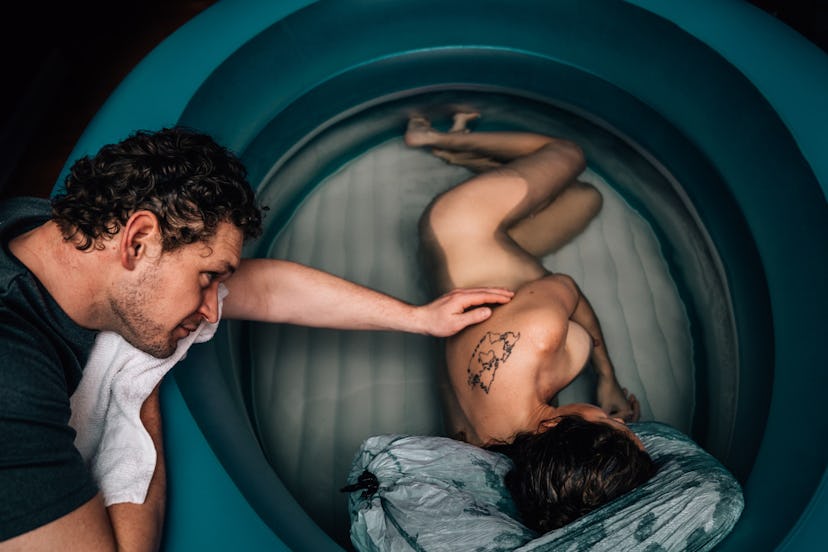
x=744, y=92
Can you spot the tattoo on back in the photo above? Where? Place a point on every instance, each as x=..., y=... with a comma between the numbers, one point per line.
x=489, y=353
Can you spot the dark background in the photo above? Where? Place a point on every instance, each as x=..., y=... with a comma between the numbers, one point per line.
x=60, y=62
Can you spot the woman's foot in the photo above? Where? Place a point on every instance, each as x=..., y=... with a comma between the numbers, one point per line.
x=419, y=132
x=461, y=120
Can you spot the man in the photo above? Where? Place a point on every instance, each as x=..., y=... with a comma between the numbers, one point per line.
x=505, y=373
x=138, y=244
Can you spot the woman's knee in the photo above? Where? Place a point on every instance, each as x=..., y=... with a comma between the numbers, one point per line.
x=588, y=196
x=569, y=154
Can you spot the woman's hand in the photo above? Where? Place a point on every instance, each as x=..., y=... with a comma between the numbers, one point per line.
x=616, y=401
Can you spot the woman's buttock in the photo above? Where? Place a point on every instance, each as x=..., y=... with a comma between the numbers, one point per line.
x=472, y=263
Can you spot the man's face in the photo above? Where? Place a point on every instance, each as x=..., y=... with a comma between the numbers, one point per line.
x=171, y=294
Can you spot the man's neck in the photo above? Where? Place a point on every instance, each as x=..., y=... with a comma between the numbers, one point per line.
x=72, y=277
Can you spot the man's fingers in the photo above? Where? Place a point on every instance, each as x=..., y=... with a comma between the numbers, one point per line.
x=464, y=319
x=476, y=315
x=494, y=291
x=463, y=307
x=471, y=297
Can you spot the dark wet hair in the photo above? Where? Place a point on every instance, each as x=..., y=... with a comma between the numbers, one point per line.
x=185, y=178
x=570, y=469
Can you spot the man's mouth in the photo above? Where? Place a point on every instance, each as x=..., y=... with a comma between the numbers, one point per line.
x=188, y=329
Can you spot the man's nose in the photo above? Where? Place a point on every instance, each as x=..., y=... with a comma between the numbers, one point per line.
x=209, y=305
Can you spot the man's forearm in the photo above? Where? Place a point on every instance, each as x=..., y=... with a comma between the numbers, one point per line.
x=281, y=291
x=139, y=526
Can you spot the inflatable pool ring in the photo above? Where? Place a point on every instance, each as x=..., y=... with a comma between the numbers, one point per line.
x=721, y=99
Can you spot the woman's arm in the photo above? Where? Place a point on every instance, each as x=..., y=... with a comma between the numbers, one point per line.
x=612, y=398
x=272, y=290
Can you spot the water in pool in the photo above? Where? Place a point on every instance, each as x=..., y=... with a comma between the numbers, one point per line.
x=317, y=394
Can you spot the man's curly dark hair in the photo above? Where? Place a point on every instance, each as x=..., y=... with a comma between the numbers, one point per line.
x=570, y=469
x=184, y=177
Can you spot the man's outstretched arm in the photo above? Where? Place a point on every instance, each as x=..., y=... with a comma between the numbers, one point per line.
x=272, y=290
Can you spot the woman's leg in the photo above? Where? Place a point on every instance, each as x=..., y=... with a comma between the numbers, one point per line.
x=466, y=230
x=551, y=227
x=500, y=147
x=559, y=222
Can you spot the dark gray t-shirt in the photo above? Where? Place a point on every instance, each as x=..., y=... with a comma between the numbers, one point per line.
x=42, y=355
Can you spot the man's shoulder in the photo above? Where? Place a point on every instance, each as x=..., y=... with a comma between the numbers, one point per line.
x=19, y=209
x=17, y=216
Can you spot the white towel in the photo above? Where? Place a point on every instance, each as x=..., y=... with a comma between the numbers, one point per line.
x=106, y=410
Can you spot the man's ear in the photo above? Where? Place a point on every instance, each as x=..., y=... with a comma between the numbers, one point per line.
x=139, y=237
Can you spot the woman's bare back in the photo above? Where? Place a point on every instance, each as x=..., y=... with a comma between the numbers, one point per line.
x=505, y=371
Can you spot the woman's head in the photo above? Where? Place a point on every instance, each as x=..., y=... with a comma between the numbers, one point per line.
x=186, y=179
x=571, y=467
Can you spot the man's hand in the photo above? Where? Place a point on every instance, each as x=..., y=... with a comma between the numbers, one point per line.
x=459, y=308
x=617, y=402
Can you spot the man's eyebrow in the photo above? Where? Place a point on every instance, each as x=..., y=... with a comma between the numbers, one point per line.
x=229, y=269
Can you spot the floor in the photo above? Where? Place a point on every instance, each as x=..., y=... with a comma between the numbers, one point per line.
x=60, y=64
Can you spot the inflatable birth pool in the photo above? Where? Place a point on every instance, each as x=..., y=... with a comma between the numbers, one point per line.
x=703, y=125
